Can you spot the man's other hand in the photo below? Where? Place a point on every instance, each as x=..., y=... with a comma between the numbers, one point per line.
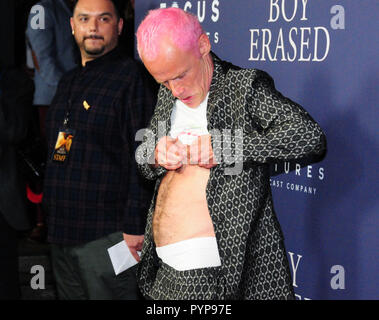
x=170, y=153
x=200, y=152
x=134, y=242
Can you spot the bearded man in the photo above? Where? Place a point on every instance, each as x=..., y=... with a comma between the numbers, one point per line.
x=93, y=194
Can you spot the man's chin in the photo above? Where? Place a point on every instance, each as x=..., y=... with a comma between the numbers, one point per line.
x=94, y=51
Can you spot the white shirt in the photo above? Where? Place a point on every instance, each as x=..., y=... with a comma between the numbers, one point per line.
x=189, y=123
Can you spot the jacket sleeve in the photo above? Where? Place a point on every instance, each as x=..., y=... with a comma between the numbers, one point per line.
x=42, y=42
x=280, y=129
x=145, y=151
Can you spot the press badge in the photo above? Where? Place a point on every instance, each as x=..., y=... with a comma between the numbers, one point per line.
x=63, y=145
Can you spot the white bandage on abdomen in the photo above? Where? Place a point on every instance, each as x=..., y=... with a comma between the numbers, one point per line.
x=191, y=254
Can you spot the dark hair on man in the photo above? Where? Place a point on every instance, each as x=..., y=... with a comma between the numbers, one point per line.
x=118, y=5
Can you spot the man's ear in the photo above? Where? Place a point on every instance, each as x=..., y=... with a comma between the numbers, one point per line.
x=204, y=45
x=120, y=25
x=72, y=25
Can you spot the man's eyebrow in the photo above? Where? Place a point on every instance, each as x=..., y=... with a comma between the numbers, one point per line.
x=176, y=77
x=107, y=14
x=182, y=74
x=83, y=14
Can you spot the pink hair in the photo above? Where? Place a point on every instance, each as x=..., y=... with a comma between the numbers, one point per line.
x=182, y=27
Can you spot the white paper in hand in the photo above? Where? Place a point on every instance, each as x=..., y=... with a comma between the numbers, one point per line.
x=121, y=257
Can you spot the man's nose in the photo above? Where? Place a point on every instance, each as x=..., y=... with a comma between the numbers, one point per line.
x=93, y=25
x=176, y=89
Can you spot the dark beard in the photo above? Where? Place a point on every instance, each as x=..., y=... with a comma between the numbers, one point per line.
x=94, y=52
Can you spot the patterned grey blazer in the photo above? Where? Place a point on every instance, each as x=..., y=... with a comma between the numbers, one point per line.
x=252, y=125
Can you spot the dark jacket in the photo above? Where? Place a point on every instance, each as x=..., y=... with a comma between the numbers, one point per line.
x=15, y=111
x=250, y=240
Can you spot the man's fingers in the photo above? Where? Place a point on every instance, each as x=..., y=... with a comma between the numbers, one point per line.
x=169, y=153
x=134, y=254
x=200, y=151
x=134, y=243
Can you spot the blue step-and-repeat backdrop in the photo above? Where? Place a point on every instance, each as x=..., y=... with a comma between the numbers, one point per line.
x=323, y=55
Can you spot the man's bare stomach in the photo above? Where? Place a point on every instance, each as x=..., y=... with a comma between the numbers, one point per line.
x=181, y=210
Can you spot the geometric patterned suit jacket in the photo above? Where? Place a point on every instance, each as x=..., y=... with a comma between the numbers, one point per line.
x=249, y=237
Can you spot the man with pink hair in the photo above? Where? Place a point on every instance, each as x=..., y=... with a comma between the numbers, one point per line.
x=212, y=232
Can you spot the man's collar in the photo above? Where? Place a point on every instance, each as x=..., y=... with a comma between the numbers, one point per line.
x=218, y=73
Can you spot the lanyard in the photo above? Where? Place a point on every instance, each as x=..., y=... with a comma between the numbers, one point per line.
x=68, y=108
x=67, y=113
x=70, y=100
x=72, y=97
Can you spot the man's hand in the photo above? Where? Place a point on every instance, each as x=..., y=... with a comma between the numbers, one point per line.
x=200, y=152
x=134, y=242
x=170, y=153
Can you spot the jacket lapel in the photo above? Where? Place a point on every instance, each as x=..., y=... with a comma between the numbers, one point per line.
x=216, y=87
